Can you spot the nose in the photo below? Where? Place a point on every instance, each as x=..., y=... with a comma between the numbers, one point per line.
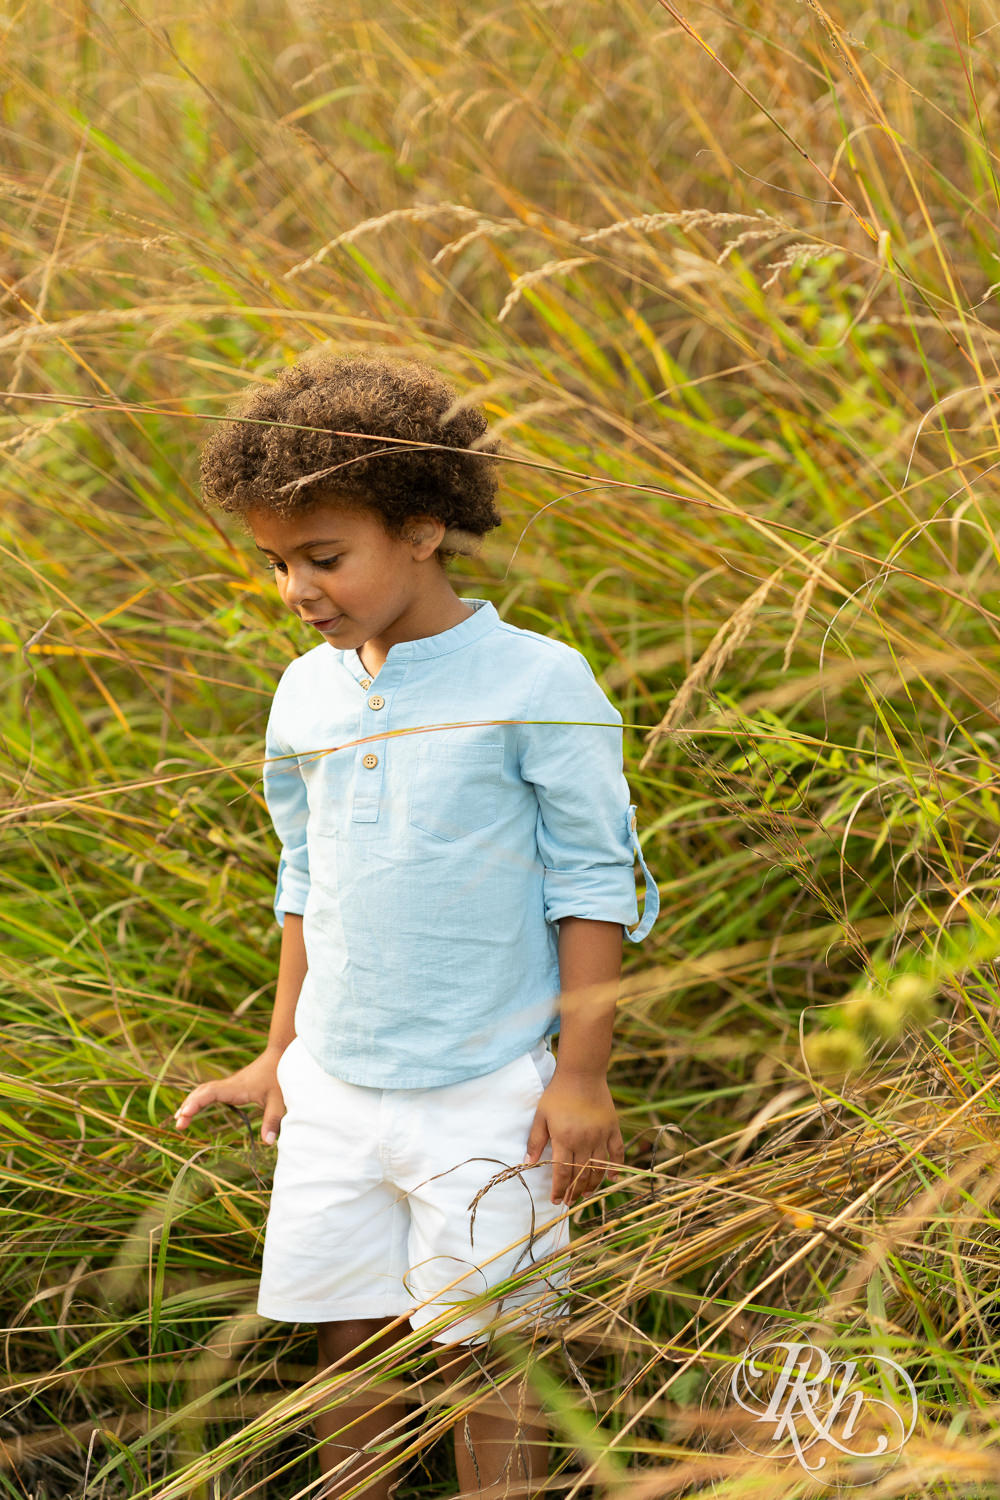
x=299, y=587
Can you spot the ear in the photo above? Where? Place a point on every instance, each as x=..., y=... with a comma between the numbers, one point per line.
x=424, y=534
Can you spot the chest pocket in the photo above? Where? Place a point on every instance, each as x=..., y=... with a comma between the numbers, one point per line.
x=456, y=788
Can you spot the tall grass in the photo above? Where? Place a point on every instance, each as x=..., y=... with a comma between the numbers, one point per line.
x=726, y=279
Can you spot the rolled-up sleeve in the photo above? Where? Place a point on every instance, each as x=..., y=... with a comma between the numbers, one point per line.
x=585, y=827
x=285, y=795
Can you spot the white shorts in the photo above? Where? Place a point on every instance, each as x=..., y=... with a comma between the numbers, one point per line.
x=372, y=1205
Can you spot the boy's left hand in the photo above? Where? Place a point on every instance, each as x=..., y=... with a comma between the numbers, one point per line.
x=578, y=1115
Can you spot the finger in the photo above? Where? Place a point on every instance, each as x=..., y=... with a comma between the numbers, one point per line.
x=560, y=1173
x=588, y=1179
x=612, y=1159
x=581, y=1185
x=195, y=1101
x=562, y=1176
x=538, y=1135
x=214, y=1091
x=274, y=1111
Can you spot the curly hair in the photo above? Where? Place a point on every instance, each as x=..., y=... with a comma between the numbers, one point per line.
x=288, y=469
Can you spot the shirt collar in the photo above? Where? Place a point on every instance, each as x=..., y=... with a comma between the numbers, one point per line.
x=483, y=619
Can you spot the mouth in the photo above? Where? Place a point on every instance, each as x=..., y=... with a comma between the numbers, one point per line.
x=330, y=624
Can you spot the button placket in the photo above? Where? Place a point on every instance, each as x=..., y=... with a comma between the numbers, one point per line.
x=371, y=757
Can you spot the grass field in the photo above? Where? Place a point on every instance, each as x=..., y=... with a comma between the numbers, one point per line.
x=725, y=277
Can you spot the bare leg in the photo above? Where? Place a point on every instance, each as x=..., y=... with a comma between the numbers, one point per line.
x=508, y=1432
x=338, y=1341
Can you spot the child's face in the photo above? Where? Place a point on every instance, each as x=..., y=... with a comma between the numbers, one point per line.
x=338, y=568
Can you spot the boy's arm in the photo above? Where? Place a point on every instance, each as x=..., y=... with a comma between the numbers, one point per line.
x=571, y=751
x=292, y=966
x=576, y=1112
x=590, y=962
x=288, y=805
x=257, y=1083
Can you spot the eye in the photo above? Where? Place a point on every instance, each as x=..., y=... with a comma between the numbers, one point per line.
x=273, y=567
x=325, y=562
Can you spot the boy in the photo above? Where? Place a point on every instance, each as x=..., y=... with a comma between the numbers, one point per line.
x=452, y=888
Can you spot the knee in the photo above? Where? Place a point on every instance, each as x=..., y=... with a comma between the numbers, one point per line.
x=457, y=1361
x=343, y=1340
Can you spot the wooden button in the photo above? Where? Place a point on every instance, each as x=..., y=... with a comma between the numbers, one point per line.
x=366, y=682
x=369, y=761
x=375, y=701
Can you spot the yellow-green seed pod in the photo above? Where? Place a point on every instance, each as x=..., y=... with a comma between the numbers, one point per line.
x=857, y=1009
x=888, y=1019
x=914, y=996
x=834, y=1051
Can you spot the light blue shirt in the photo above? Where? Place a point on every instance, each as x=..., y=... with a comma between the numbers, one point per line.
x=431, y=838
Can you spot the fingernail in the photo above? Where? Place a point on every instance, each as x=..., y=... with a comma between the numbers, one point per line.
x=270, y=1137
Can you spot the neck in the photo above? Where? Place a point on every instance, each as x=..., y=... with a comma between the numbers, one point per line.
x=434, y=615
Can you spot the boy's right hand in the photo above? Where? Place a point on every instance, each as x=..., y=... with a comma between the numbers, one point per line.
x=257, y=1083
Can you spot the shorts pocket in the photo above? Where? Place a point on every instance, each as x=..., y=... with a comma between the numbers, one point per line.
x=280, y=1071
x=455, y=788
x=543, y=1065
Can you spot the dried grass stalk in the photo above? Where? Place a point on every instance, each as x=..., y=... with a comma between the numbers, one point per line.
x=541, y=273
x=417, y=214
x=803, y=599
x=726, y=640
x=687, y=218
